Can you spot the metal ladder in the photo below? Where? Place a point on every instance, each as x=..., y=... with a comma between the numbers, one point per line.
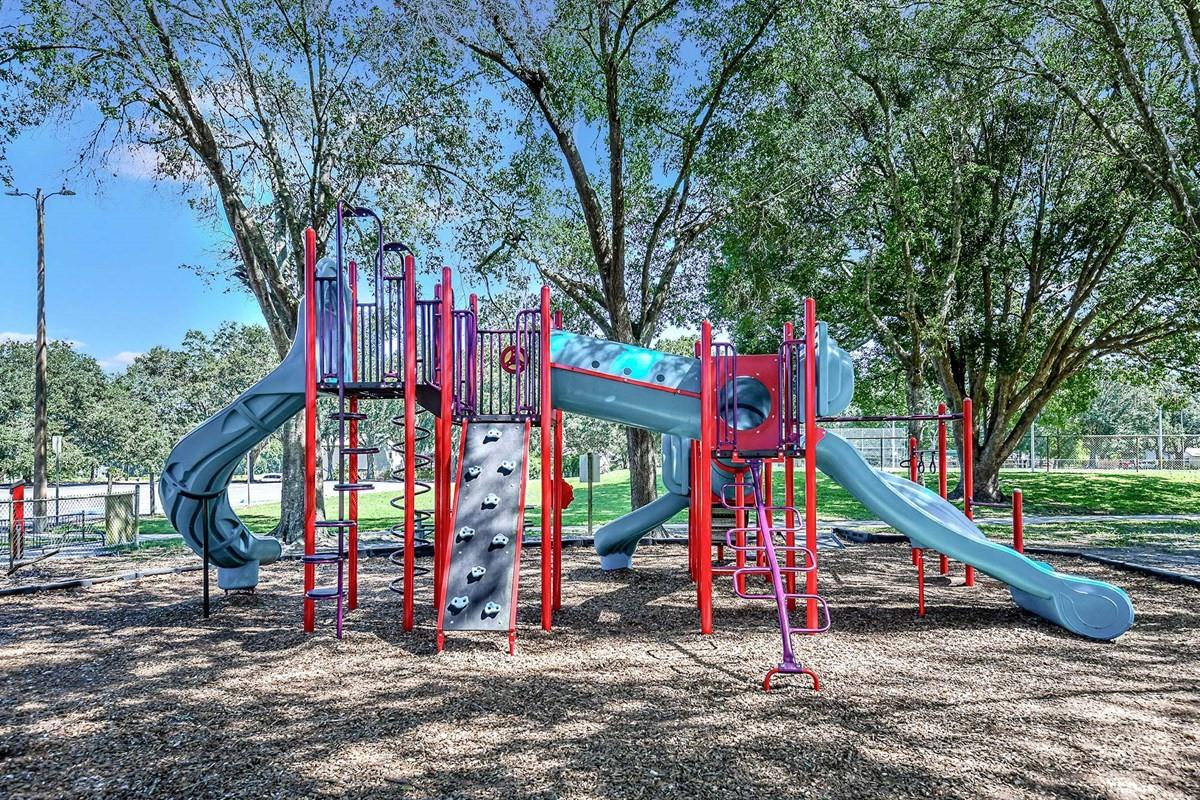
x=347, y=417
x=757, y=542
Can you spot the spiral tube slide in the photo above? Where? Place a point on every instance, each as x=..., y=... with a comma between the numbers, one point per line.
x=197, y=472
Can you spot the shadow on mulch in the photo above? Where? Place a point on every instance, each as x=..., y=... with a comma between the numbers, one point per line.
x=123, y=691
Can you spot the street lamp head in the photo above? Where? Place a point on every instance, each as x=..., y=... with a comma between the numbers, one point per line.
x=65, y=192
x=13, y=193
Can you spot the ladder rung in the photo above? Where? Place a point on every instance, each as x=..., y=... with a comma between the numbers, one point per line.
x=348, y=415
x=353, y=487
x=324, y=593
x=324, y=557
x=360, y=451
x=335, y=523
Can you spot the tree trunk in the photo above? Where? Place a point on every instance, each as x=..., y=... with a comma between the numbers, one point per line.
x=986, y=474
x=642, y=486
x=291, y=488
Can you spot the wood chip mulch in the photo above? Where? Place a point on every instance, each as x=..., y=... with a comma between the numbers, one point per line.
x=122, y=690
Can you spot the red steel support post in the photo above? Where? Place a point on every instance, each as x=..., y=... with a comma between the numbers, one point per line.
x=310, y=423
x=1018, y=512
x=968, y=469
x=558, y=483
x=352, y=534
x=703, y=479
x=944, y=563
x=410, y=438
x=739, y=521
x=919, y=561
x=789, y=502
x=444, y=474
x=547, y=417
x=811, y=436
x=913, y=471
x=769, y=494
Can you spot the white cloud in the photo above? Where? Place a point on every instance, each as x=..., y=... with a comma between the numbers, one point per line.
x=118, y=362
x=136, y=162
x=13, y=336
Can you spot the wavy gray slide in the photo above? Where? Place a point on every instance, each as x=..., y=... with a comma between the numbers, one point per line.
x=1083, y=606
x=593, y=385
x=201, y=465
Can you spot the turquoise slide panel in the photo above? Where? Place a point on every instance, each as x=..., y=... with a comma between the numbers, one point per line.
x=1083, y=606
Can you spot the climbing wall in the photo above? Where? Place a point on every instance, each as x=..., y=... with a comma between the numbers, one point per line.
x=481, y=588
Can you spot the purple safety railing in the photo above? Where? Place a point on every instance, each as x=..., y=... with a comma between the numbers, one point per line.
x=791, y=401
x=505, y=379
x=463, y=355
x=725, y=369
x=764, y=543
x=428, y=338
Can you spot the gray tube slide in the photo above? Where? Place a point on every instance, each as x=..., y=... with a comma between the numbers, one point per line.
x=587, y=377
x=199, y=468
x=1083, y=606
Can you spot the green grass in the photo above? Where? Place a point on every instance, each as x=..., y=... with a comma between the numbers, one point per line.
x=1045, y=493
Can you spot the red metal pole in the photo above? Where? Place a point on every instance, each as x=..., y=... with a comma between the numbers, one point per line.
x=410, y=438
x=558, y=482
x=769, y=494
x=310, y=422
x=1018, y=510
x=941, y=434
x=739, y=521
x=919, y=561
x=912, y=459
x=352, y=545
x=547, y=417
x=444, y=476
x=968, y=470
x=789, y=502
x=703, y=479
x=811, y=436
x=944, y=563
x=693, y=541
x=16, y=535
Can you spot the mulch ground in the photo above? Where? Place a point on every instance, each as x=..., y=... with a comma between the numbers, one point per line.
x=122, y=690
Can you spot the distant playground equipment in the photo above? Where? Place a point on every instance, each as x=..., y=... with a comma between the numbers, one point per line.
x=725, y=418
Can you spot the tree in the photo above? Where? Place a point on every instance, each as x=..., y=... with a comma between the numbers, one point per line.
x=621, y=232
x=270, y=112
x=76, y=387
x=1133, y=71
x=985, y=236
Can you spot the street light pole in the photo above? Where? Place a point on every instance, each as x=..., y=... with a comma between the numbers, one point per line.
x=40, y=422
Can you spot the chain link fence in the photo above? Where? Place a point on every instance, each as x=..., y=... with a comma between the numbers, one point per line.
x=888, y=449
x=74, y=525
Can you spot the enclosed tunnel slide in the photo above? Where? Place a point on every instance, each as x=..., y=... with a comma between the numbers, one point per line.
x=641, y=388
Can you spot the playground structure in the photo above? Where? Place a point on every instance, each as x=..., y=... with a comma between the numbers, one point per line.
x=725, y=419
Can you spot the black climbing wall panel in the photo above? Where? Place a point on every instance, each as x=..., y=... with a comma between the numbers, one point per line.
x=485, y=542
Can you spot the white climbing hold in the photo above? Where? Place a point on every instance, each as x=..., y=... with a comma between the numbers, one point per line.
x=507, y=466
x=465, y=533
x=473, y=472
x=491, y=501
x=459, y=603
x=478, y=572
x=491, y=609
x=499, y=540
x=492, y=435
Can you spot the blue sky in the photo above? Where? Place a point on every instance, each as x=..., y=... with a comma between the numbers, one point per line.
x=114, y=280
